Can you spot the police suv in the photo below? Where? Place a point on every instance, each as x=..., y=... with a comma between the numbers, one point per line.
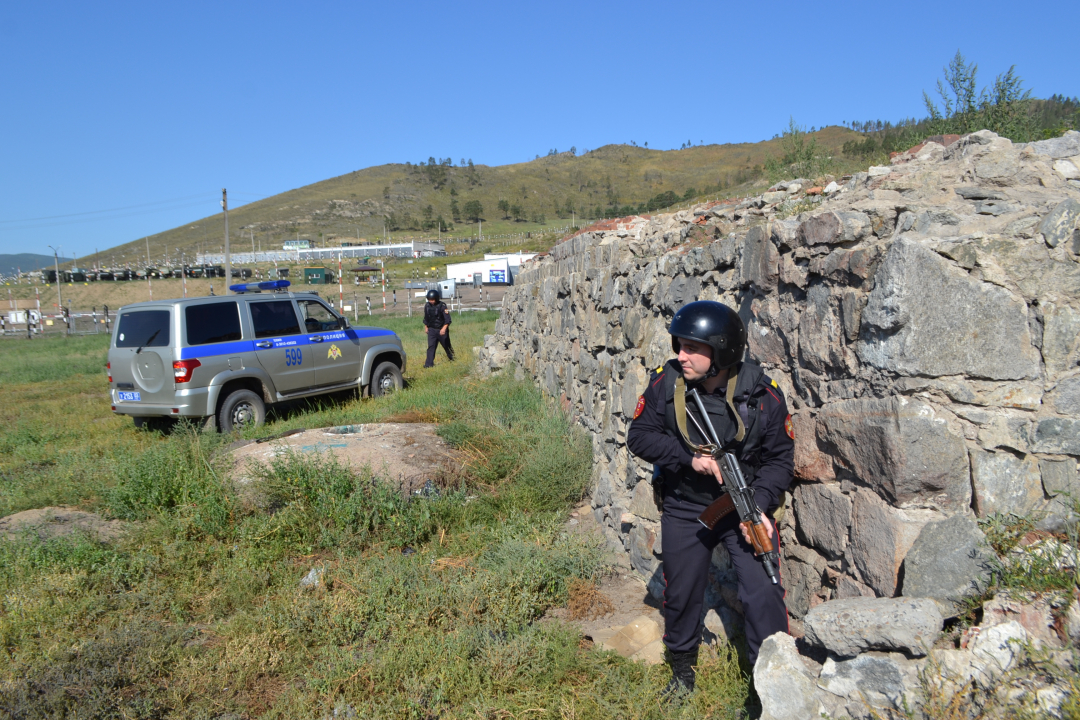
x=227, y=358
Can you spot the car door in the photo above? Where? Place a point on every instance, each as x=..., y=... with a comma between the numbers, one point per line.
x=281, y=345
x=336, y=354
x=142, y=356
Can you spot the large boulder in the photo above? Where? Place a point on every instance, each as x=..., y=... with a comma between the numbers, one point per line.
x=949, y=560
x=928, y=317
x=786, y=688
x=847, y=628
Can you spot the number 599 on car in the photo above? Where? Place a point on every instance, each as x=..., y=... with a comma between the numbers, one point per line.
x=293, y=356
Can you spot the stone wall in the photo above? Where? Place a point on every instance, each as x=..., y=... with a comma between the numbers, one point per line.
x=922, y=318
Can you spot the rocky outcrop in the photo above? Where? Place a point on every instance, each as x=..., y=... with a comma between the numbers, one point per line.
x=922, y=318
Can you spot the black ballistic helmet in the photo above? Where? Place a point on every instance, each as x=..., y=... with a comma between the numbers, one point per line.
x=434, y=294
x=714, y=324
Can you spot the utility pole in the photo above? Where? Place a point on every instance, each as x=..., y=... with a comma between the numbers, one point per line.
x=56, y=259
x=183, y=270
x=228, y=259
x=149, y=287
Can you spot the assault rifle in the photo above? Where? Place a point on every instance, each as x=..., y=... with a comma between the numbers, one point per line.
x=739, y=497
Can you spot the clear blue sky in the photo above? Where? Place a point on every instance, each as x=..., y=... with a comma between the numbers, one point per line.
x=155, y=107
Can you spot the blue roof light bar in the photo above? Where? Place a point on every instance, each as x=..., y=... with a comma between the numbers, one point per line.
x=265, y=285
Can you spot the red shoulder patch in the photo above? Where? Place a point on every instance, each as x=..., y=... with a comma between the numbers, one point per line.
x=789, y=427
x=640, y=407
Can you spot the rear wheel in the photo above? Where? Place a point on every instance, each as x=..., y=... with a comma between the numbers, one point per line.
x=242, y=408
x=386, y=379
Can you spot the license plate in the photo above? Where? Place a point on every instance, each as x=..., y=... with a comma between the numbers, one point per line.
x=130, y=396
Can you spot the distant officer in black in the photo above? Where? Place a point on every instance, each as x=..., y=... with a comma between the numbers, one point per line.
x=437, y=325
x=750, y=416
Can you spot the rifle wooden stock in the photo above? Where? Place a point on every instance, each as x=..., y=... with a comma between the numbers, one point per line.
x=718, y=510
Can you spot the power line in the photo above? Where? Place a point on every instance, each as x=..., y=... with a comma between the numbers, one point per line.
x=98, y=212
x=108, y=217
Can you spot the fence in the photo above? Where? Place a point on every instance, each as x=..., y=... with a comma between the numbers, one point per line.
x=95, y=321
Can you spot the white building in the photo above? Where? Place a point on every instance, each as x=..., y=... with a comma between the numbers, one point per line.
x=492, y=272
x=514, y=260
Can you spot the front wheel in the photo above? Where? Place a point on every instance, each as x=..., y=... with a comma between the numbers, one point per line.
x=241, y=408
x=386, y=379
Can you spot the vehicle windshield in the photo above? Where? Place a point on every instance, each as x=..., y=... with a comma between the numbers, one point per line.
x=143, y=328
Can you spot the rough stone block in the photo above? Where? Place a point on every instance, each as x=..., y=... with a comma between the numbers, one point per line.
x=883, y=681
x=949, y=560
x=849, y=587
x=802, y=569
x=1061, y=337
x=1000, y=646
x=1033, y=613
x=830, y=228
x=821, y=334
x=1058, y=436
x=642, y=503
x=900, y=448
x=1059, y=476
x=792, y=272
x=760, y=260
x=925, y=317
x=1058, y=226
x=724, y=624
x=1004, y=483
x=998, y=166
x=786, y=688
x=681, y=291
x=641, y=550
x=880, y=539
x=1060, y=147
x=1023, y=395
x=824, y=516
x=635, y=635
x=852, y=626
x=1066, y=396
x=810, y=462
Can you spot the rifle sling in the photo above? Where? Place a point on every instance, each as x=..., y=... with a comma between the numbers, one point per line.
x=680, y=415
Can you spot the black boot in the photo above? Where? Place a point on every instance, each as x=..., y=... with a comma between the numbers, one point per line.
x=682, y=674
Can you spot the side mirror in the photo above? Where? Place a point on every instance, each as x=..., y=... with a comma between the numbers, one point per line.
x=343, y=323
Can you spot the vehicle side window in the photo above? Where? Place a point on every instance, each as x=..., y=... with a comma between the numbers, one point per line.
x=274, y=319
x=212, y=322
x=143, y=328
x=317, y=318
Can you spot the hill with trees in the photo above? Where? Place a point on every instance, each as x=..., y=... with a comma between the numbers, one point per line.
x=440, y=197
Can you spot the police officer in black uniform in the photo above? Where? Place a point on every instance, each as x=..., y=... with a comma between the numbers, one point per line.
x=750, y=416
x=437, y=325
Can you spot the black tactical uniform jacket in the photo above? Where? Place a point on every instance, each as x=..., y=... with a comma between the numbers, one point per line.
x=766, y=452
x=435, y=316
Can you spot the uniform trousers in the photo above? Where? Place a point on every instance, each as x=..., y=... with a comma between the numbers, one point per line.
x=687, y=550
x=434, y=339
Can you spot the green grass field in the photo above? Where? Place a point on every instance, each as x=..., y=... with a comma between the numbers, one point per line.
x=198, y=612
